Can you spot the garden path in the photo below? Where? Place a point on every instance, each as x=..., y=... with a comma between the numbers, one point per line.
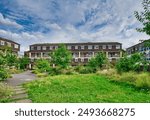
x=20, y=94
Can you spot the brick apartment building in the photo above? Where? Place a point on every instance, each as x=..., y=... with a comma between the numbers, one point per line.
x=5, y=43
x=81, y=52
x=140, y=48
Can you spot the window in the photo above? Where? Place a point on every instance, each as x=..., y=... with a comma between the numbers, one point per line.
x=109, y=46
x=2, y=43
x=76, y=47
x=38, y=47
x=32, y=47
x=89, y=47
x=96, y=47
x=104, y=46
x=82, y=47
x=51, y=47
x=45, y=55
x=82, y=59
x=44, y=47
x=117, y=46
x=76, y=60
x=9, y=44
x=56, y=47
x=16, y=46
x=69, y=47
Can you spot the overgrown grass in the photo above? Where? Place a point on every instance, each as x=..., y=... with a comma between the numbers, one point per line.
x=140, y=80
x=5, y=93
x=83, y=88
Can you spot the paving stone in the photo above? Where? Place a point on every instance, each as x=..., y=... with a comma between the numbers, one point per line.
x=20, y=96
x=20, y=92
x=19, y=88
x=23, y=101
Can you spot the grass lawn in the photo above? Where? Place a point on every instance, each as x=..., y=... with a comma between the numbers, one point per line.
x=90, y=88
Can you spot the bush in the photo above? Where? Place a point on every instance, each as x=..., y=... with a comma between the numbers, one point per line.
x=5, y=92
x=132, y=63
x=123, y=65
x=143, y=80
x=56, y=71
x=3, y=74
x=42, y=65
x=86, y=70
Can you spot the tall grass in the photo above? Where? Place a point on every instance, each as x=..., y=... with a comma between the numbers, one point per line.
x=140, y=80
x=5, y=92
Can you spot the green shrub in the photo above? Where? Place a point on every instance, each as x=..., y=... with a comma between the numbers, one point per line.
x=3, y=74
x=132, y=63
x=56, y=71
x=42, y=65
x=86, y=70
x=5, y=92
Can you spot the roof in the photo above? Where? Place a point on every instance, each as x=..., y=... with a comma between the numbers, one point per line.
x=139, y=43
x=87, y=43
x=8, y=40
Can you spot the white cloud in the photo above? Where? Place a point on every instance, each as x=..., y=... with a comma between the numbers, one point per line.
x=8, y=22
x=112, y=20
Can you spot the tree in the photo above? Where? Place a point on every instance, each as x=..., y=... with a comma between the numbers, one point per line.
x=42, y=65
x=11, y=59
x=144, y=17
x=61, y=57
x=23, y=62
x=97, y=61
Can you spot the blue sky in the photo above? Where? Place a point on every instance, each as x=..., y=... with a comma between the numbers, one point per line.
x=44, y=21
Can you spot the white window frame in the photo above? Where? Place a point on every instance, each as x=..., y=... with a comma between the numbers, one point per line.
x=82, y=47
x=76, y=59
x=109, y=46
x=51, y=47
x=104, y=46
x=90, y=47
x=76, y=47
x=38, y=47
x=43, y=47
x=8, y=44
x=118, y=46
x=82, y=59
x=16, y=46
x=2, y=43
x=32, y=47
x=96, y=47
x=56, y=47
x=69, y=47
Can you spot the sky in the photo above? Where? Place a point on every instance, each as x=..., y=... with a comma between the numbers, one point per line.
x=60, y=21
